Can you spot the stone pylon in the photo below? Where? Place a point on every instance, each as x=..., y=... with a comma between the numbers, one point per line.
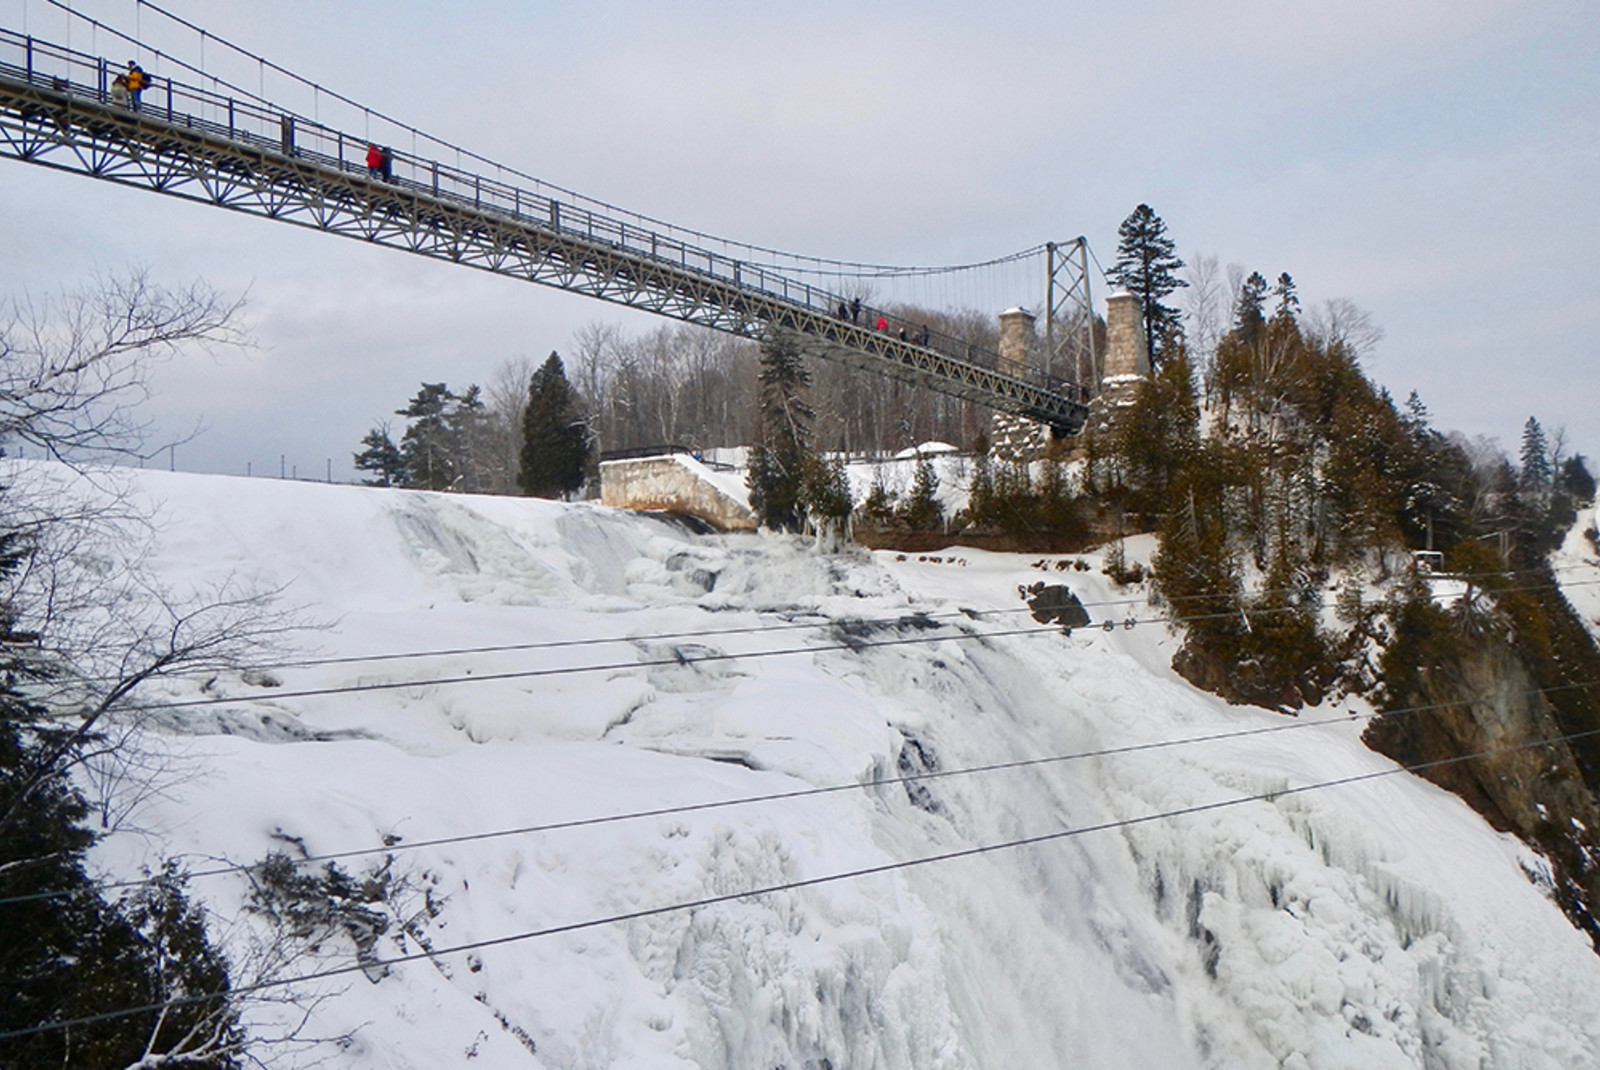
x=1017, y=439
x=1127, y=361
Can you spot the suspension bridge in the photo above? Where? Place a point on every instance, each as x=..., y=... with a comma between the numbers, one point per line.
x=221, y=145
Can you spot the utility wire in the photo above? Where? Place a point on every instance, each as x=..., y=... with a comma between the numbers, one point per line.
x=690, y=659
x=910, y=618
x=789, y=886
x=800, y=793
x=906, y=620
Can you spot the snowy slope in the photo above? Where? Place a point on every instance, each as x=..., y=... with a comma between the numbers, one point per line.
x=1577, y=565
x=1375, y=925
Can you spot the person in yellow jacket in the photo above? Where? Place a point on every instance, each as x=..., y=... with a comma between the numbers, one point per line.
x=137, y=82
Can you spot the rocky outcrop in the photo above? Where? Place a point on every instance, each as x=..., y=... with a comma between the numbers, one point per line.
x=1473, y=715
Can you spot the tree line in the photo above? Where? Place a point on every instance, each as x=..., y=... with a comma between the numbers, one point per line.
x=678, y=385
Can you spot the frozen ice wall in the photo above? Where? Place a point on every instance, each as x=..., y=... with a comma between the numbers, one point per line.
x=1374, y=925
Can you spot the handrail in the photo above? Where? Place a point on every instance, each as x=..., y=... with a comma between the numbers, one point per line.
x=250, y=123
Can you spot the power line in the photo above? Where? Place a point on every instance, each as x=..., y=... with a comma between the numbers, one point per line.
x=913, y=618
x=800, y=793
x=789, y=886
x=909, y=620
x=693, y=659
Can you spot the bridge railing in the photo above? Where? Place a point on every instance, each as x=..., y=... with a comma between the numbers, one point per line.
x=256, y=124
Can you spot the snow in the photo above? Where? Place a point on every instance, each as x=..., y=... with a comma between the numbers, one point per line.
x=899, y=475
x=1577, y=568
x=1379, y=924
x=731, y=483
x=927, y=449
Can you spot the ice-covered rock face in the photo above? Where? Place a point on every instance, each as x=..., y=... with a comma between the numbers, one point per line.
x=620, y=665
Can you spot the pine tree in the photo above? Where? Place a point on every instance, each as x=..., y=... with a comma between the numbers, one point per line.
x=1576, y=481
x=1147, y=267
x=428, y=447
x=1249, y=315
x=1416, y=418
x=921, y=510
x=1288, y=301
x=1535, y=474
x=76, y=954
x=780, y=459
x=382, y=458
x=466, y=425
x=555, y=439
x=879, y=508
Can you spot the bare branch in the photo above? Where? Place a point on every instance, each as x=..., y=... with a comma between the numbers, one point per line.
x=73, y=365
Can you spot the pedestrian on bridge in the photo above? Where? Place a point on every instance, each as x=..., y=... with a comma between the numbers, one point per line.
x=855, y=310
x=137, y=82
x=374, y=162
x=882, y=324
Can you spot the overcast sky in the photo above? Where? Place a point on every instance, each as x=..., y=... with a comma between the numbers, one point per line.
x=1434, y=162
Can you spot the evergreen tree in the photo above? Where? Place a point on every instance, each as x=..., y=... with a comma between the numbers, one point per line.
x=1158, y=436
x=1147, y=267
x=1249, y=315
x=382, y=458
x=921, y=510
x=1416, y=417
x=825, y=493
x=781, y=457
x=1572, y=488
x=879, y=508
x=1576, y=481
x=75, y=955
x=1288, y=301
x=428, y=447
x=466, y=425
x=1535, y=474
x=555, y=439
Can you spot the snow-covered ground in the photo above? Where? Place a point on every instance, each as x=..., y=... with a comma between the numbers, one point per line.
x=1376, y=925
x=1577, y=565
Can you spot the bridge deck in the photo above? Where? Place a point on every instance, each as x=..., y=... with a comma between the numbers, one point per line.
x=57, y=110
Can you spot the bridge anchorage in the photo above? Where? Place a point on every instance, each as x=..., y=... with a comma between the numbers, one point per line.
x=242, y=153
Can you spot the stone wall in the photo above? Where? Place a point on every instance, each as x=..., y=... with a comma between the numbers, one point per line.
x=675, y=483
x=1126, y=354
x=1018, y=340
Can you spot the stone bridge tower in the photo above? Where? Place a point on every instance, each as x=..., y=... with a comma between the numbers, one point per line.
x=1126, y=357
x=1016, y=438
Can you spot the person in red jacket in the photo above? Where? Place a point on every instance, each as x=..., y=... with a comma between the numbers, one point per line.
x=374, y=161
x=883, y=324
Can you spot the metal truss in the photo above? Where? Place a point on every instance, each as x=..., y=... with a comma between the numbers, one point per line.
x=1069, y=326
x=284, y=167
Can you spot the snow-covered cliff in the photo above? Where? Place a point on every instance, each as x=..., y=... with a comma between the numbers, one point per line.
x=1378, y=924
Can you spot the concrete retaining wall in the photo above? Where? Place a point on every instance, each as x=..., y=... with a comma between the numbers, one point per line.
x=675, y=483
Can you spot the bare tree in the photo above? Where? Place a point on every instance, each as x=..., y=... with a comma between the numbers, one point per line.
x=93, y=644
x=1340, y=321
x=73, y=365
x=1207, y=309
